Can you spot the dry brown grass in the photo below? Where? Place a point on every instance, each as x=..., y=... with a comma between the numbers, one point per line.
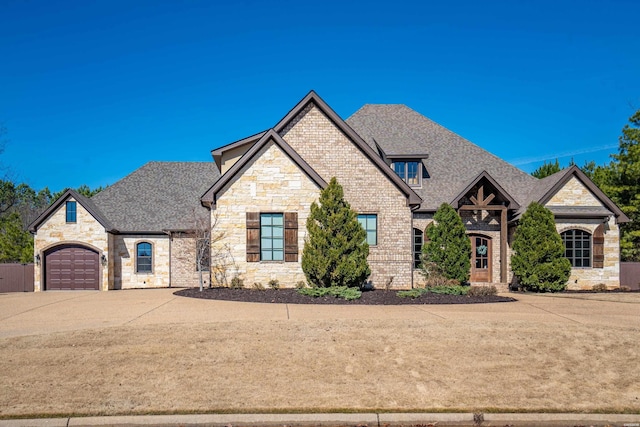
x=338, y=365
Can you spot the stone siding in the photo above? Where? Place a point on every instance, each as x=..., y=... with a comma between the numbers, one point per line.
x=184, y=273
x=124, y=262
x=574, y=193
x=272, y=182
x=86, y=231
x=332, y=154
x=587, y=277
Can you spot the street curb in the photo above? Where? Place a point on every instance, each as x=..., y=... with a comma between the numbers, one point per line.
x=338, y=420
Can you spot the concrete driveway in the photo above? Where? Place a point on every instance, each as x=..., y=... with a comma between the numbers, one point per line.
x=47, y=312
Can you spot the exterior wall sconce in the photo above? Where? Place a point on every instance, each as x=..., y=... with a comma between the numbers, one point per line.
x=37, y=259
x=103, y=260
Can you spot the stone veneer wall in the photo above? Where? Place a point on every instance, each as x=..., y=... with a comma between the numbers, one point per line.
x=55, y=231
x=124, y=262
x=272, y=182
x=330, y=153
x=574, y=193
x=184, y=271
x=586, y=278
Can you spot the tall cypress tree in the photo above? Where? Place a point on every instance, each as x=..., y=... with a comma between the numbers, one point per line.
x=538, y=260
x=335, y=252
x=449, y=246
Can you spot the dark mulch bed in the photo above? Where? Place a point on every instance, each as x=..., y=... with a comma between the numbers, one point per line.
x=291, y=296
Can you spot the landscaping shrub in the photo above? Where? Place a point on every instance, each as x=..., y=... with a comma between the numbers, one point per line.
x=447, y=252
x=412, y=293
x=600, y=287
x=343, y=292
x=237, y=283
x=335, y=251
x=482, y=291
x=538, y=260
x=445, y=290
x=274, y=284
x=301, y=285
x=258, y=286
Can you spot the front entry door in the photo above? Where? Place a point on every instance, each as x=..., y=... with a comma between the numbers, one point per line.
x=480, y=259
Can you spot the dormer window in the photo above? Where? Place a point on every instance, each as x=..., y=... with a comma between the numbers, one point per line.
x=409, y=171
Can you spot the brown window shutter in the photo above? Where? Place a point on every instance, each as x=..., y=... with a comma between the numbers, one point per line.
x=253, y=236
x=291, y=237
x=598, y=247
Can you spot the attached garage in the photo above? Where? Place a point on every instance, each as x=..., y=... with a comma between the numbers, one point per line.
x=71, y=267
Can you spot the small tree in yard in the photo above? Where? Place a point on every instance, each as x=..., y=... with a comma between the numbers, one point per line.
x=335, y=251
x=538, y=260
x=205, y=247
x=448, y=246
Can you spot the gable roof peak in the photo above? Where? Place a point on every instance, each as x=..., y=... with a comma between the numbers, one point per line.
x=85, y=202
x=271, y=135
x=553, y=183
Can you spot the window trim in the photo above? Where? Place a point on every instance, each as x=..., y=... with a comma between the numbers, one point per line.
x=151, y=257
x=573, y=240
x=282, y=237
x=367, y=230
x=71, y=212
x=406, y=171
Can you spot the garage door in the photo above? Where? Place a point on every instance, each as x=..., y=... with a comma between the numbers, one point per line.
x=71, y=267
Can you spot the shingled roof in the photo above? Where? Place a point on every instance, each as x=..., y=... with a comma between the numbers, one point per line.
x=157, y=197
x=453, y=161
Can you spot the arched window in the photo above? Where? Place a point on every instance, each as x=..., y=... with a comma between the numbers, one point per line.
x=418, y=240
x=577, y=247
x=144, y=257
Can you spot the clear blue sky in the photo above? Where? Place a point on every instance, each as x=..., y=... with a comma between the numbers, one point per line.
x=92, y=90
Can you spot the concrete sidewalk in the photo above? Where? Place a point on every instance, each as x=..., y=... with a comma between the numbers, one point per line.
x=335, y=420
x=49, y=312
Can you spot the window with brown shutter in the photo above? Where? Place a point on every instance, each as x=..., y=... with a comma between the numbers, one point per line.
x=598, y=247
x=253, y=236
x=291, y=237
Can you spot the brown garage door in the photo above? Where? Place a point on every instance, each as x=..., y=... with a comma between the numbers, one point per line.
x=71, y=267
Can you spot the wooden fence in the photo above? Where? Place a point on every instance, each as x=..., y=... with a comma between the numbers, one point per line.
x=16, y=278
x=630, y=275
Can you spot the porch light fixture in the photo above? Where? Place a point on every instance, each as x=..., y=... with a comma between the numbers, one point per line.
x=37, y=259
x=103, y=260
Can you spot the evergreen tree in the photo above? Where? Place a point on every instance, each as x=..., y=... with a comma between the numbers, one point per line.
x=546, y=169
x=538, y=260
x=448, y=245
x=16, y=244
x=335, y=252
x=625, y=189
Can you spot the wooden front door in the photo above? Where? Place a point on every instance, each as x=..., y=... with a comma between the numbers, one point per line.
x=480, y=259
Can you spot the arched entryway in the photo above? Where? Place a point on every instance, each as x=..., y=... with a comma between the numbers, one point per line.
x=481, y=256
x=71, y=267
